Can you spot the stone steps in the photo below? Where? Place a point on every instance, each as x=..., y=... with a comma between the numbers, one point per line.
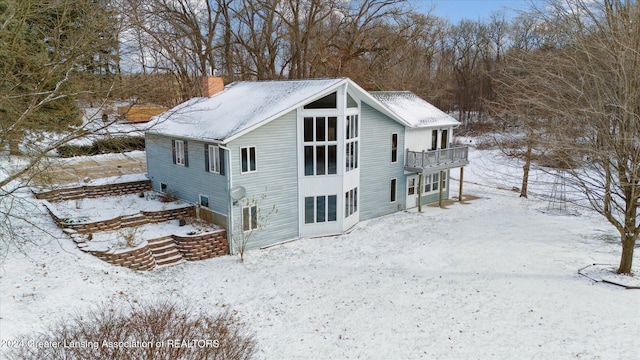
x=164, y=251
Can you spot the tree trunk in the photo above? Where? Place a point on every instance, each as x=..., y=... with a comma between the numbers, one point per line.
x=626, y=260
x=525, y=172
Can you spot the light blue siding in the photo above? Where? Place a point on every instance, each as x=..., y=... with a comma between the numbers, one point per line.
x=187, y=183
x=276, y=179
x=376, y=169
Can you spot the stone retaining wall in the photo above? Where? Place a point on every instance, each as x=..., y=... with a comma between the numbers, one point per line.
x=204, y=246
x=147, y=217
x=94, y=191
x=191, y=247
x=136, y=259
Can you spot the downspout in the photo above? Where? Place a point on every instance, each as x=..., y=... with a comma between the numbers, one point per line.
x=229, y=200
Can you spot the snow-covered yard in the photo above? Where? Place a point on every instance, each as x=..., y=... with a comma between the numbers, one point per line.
x=492, y=279
x=109, y=207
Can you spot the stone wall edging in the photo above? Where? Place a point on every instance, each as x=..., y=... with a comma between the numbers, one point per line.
x=191, y=247
x=150, y=217
x=95, y=191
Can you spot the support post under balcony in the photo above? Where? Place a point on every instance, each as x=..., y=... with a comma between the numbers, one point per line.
x=461, y=180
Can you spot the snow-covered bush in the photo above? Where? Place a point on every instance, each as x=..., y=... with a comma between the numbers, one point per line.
x=161, y=330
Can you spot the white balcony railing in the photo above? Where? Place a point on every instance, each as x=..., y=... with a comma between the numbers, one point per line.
x=441, y=158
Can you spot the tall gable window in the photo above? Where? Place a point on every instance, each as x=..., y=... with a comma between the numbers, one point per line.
x=180, y=152
x=214, y=159
x=327, y=102
x=320, y=145
x=351, y=142
x=248, y=156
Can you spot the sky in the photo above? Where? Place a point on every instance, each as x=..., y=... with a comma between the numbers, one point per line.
x=456, y=10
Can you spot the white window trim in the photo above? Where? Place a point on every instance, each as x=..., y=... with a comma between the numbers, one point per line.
x=251, y=228
x=396, y=190
x=323, y=143
x=249, y=159
x=349, y=122
x=397, y=143
x=214, y=159
x=179, y=149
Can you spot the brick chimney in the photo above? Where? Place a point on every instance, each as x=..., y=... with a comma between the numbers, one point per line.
x=212, y=85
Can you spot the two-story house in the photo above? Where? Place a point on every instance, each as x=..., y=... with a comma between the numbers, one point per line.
x=325, y=152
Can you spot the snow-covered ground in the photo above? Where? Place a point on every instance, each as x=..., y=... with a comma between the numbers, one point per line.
x=109, y=207
x=496, y=278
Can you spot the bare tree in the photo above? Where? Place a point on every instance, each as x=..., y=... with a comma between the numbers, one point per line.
x=589, y=82
x=50, y=52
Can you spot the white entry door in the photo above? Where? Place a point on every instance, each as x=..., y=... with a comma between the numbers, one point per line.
x=412, y=191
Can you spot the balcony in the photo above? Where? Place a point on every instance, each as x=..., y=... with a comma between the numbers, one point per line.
x=436, y=160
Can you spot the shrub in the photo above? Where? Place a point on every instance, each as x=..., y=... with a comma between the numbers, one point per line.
x=161, y=330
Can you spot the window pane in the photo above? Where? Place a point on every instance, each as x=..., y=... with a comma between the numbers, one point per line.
x=308, y=129
x=254, y=217
x=204, y=201
x=327, y=102
x=355, y=125
x=252, y=158
x=245, y=219
x=332, y=128
x=214, y=159
x=308, y=210
x=394, y=147
x=320, y=209
x=351, y=201
x=245, y=160
x=355, y=154
x=332, y=208
x=321, y=164
x=308, y=160
x=347, y=157
x=346, y=204
x=412, y=187
x=445, y=140
x=434, y=139
x=393, y=190
x=351, y=103
x=333, y=159
x=355, y=200
x=320, y=123
x=347, y=132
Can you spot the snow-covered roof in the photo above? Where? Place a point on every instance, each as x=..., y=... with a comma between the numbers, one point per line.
x=240, y=107
x=413, y=109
